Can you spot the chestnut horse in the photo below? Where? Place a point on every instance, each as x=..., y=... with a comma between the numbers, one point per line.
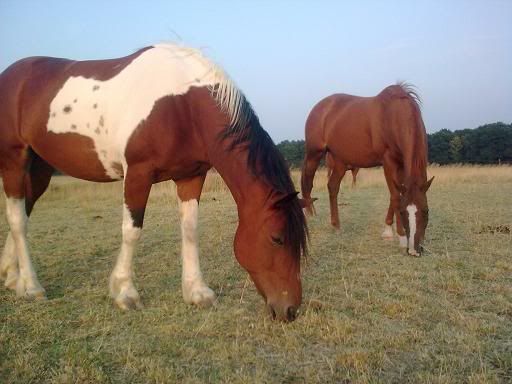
x=165, y=112
x=364, y=132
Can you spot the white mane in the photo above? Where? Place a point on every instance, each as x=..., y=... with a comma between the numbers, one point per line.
x=224, y=90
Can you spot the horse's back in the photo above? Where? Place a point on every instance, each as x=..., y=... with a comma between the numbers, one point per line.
x=318, y=123
x=80, y=116
x=346, y=126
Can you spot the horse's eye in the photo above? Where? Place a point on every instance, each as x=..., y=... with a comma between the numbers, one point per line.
x=277, y=240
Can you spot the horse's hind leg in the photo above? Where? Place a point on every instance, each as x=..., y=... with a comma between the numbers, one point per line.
x=195, y=291
x=36, y=183
x=333, y=185
x=309, y=167
x=19, y=202
x=137, y=185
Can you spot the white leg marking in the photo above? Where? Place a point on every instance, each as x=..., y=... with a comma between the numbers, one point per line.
x=402, y=241
x=411, y=211
x=26, y=283
x=387, y=234
x=9, y=264
x=122, y=289
x=194, y=289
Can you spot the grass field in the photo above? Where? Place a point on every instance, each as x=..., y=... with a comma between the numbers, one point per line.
x=371, y=314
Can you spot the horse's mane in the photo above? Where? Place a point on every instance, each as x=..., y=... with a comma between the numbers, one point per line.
x=411, y=91
x=263, y=158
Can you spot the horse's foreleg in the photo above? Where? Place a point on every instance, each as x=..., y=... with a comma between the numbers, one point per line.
x=393, y=178
x=9, y=263
x=137, y=186
x=387, y=234
x=333, y=185
x=195, y=291
x=311, y=162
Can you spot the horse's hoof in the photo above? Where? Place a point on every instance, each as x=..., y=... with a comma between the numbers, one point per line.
x=35, y=293
x=413, y=253
x=127, y=303
x=387, y=234
x=38, y=296
x=202, y=296
x=402, y=241
x=336, y=226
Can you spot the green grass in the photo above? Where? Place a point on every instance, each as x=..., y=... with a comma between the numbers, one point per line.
x=371, y=314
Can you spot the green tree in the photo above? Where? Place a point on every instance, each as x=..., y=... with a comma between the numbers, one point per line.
x=456, y=145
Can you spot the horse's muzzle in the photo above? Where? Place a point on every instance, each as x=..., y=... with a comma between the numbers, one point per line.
x=287, y=314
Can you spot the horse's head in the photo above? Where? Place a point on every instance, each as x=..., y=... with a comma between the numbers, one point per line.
x=414, y=214
x=268, y=244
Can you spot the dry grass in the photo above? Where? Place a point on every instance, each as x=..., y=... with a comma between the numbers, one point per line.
x=371, y=314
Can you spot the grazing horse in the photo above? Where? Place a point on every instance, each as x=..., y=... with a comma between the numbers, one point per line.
x=364, y=132
x=165, y=112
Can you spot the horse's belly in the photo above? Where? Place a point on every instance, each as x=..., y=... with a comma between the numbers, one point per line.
x=76, y=155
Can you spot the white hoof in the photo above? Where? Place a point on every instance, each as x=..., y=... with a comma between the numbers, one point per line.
x=387, y=234
x=198, y=294
x=402, y=241
x=124, y=293
x=128, y=300
x=29, y=289
x=413, y=252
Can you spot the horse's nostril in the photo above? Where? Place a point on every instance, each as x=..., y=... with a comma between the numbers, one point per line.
x=291, y=313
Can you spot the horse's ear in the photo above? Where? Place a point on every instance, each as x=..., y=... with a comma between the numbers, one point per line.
x=285, y=200
x=400, y=187
x=427, y=184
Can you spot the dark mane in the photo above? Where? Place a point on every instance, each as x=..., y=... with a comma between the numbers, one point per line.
x=266, y=162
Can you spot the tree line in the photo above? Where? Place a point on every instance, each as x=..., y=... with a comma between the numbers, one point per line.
x=487, y=144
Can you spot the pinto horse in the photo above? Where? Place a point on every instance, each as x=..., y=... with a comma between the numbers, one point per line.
x=364, y=132
x=163, y=113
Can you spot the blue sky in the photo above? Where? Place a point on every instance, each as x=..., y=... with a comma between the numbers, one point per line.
x=287, y=55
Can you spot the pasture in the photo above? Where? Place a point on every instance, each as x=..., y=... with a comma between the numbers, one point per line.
x=370, y=313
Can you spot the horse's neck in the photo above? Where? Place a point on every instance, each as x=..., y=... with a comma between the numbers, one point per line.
x=234, y=170
x=415, y=159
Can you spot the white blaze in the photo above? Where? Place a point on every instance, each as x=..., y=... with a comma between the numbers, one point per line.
x=411, y=210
